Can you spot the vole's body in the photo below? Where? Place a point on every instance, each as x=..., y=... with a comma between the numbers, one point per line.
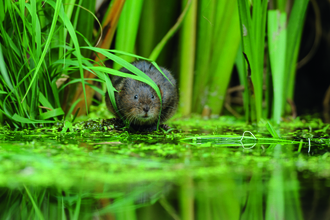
x=138, y=103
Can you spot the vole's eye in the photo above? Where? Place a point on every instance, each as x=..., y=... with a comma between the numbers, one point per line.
x=135, y=97
x=152, y=97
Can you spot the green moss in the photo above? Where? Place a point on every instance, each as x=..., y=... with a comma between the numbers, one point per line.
x=87, y=154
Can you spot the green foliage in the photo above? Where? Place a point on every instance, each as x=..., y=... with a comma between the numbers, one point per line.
x=217, y=44
x=26, y=57
x=34, y=56
x=283, y=43
x=253, y=24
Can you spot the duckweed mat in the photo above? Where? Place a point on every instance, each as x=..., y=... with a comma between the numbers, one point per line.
x=197, y=161
x=86, y=156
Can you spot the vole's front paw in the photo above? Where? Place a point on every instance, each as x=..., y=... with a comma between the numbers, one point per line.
x=165, y=127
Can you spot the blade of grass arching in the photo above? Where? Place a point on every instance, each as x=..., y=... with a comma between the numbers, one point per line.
x=127, y=28
x=243, y=80
x=204, y=46
x=51, y=114
x=224, y=54
x=187, y=57
x=118, y=73
x=21, y=119
x=156, y=51
x=120, y=61
x=277, y=45
x=294, y=33
x=35, y=206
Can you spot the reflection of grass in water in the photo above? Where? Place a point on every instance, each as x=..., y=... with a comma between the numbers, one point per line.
x=63, y=170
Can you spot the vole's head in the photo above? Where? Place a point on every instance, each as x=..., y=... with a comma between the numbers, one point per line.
x=139, y=103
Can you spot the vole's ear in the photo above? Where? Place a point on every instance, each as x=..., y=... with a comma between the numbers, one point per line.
x=161, y=92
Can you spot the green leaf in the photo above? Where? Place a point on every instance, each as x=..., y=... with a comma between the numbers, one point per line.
x=51, y=114
x=272, y=131
x=29, y=121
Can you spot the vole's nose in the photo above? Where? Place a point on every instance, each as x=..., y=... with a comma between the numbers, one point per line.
x=146, y=109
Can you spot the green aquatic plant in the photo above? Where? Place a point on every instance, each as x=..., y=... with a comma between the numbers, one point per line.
x=217, y=41
x=283, y=42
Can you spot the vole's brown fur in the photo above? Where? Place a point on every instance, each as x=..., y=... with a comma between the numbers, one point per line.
x=138, y=103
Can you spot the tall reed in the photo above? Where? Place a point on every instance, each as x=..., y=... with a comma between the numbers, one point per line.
x=187, y=57
x=217, y=43
x=127, y=28
x=283, y=42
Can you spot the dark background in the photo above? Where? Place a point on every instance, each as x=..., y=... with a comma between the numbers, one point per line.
x=313, y=78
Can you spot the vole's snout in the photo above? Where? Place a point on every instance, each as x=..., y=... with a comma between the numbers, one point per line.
x=146, y=109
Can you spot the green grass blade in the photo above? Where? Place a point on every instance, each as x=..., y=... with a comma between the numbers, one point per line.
x=44, y=52
x=294, y=33
x=277, y=44
x=4, y=72
x=51, y=114
x=203, y=52
x=272, y=131
x=127, y=28
x=187, y=57
x=71, y=110
x=28, y=121
x=226, y=43
x=159, y=47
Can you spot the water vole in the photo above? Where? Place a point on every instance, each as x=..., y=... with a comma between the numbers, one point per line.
x=138, y=103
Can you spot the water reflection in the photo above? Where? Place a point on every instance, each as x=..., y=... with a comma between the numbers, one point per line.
x=162, y=176
x=275, y=195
